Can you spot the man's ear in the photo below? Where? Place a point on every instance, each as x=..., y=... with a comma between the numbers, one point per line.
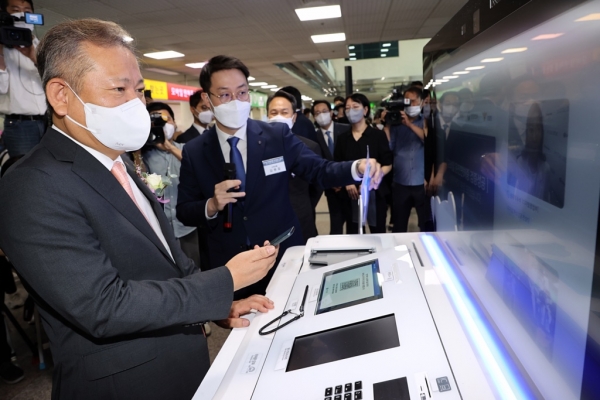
x=56, y=93
x=294, y=117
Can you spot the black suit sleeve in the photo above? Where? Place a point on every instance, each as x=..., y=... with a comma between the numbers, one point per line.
x=191, y=202
x=56, y=249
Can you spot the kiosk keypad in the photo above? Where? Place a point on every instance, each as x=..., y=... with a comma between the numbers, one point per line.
x=346, y=390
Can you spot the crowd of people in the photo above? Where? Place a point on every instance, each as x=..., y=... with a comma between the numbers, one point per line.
x=130, y=245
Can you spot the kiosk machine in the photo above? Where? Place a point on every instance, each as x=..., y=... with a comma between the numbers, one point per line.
x=503, y=300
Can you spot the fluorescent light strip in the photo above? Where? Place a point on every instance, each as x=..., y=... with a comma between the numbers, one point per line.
x=352, y=59
x=461, y=73
x=548, y=36
x=386, y=45
x=491, y=60
x=162, y=55
x=314, y=13
x=350, y=47
x=450, y=77
x=494, y=360
x=384, y=55
x=127, y=39
x=258, y=83
x=589, y=17
x=251, y=78
x=385, y=50
x=475, y=68
x=196, y=65
x=515, y=50
x=331, y=37
x=352, y=54
x=275, y=89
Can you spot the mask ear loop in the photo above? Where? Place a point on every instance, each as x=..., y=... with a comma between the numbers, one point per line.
x=84, y=105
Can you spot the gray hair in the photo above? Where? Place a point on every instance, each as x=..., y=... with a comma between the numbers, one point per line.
x=60, y=53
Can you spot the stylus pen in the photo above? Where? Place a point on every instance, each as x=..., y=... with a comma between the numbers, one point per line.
x=304, y=299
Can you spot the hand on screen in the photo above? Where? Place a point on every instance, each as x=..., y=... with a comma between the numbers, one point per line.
x=242, y=307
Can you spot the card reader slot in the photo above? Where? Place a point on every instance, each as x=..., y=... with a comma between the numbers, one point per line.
x=324, y=257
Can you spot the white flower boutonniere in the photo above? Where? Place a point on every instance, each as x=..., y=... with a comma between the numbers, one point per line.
x=157, y=185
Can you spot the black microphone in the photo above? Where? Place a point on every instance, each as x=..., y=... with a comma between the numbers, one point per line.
x=230, y=173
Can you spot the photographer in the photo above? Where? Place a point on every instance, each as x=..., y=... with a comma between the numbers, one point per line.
x=407, y=138
x=22, y=99
x=165, y=159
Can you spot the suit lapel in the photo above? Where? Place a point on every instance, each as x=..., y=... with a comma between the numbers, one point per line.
x=213, y=153
x=105, y=184
x=254, y=155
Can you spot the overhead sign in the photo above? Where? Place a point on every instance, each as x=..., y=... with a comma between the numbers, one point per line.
x=258, y=99
x=169, y=91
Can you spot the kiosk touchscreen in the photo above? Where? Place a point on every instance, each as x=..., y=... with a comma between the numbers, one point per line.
x=349, y=286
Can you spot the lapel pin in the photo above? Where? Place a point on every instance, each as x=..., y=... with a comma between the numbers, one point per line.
x=259, y=142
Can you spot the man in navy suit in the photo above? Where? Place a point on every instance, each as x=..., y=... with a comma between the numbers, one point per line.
x=120, y=301
x=264, y=155
x=327, y=135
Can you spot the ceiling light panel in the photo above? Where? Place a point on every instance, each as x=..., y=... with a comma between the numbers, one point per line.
x=548, y=36
x=515, y=50
x=163, y=55
x=491, y=60
x=196, y=65
x=314, y=13
x=328, y=38
x=258, y=84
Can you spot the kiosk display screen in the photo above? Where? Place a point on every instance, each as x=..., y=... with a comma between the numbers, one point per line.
x=349, y=286
x=343, y=342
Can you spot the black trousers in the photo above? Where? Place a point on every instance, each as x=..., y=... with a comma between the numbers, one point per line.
x=336, y=215
x=405, y=198
x=7, y=281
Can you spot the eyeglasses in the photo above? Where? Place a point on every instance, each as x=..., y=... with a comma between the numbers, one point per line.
x=242, y=95
x=262, y=330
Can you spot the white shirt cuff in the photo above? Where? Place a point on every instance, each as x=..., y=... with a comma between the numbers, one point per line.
x=355, y=175
x=206, y=213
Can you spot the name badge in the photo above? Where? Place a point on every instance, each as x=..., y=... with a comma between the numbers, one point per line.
x=274, y=166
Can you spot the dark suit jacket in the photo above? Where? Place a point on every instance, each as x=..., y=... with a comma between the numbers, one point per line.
x=113, y=303
x=188, y=135
x=302, y=197
x=266, y=211
x=303, y=127
x=338, y=129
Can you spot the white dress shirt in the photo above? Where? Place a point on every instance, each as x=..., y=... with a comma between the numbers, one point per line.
x=21, y=90
x=143, y=202
x=199, y=128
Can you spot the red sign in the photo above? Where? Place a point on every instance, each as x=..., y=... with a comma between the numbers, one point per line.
x=180, y=92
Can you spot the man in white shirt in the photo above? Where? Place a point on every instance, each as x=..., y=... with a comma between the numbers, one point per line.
x=203, y=116
x=22, y=99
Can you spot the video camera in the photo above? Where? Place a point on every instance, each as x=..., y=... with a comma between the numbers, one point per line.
x=12, y=36
x=157, y=134
x=394, y=105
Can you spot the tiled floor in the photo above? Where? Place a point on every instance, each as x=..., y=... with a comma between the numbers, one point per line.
x=37, y=384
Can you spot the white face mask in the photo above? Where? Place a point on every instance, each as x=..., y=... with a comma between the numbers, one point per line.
x=323, y=119
x=169, y=130
x=234, y=114
x=279, y=118
x=205, y=117
x=413, y=111
x=354, y=115
x=426, y=110
x=22, y=24
x=122, y=128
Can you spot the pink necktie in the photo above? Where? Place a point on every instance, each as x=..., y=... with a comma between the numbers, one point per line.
x=118, y=170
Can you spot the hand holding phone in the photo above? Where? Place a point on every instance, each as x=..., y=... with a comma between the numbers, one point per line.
x=283, y=237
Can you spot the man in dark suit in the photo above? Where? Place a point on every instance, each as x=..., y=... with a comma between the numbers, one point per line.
x=203, y=116
x=264, y=154
x=327, y=135
x=302, y=126
x=119, y=300
x=280, y=109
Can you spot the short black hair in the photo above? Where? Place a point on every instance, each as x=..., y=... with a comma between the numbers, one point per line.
x=416, y=83
x=340, y=106
x=362, y=99
x=296, y=93
x=220, y=63
x=195, y=99
x=282, y=93
x=415, y=90
x=4, y=4
x=157, y=106
x=339, y=98
x=317, y=102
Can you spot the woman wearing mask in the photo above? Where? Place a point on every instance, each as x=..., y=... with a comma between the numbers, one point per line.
x=353, y=144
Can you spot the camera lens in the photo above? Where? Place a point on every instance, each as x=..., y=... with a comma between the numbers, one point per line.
x=14, y=35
